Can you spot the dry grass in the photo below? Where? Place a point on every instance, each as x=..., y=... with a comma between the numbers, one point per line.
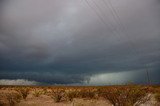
x=24, y=91
x=81, y=94
x=37, y=92
x=157, y=94
x=123, y=96
x=13, y=99
x=117, y=95
x=9, y=98
x=59, y=95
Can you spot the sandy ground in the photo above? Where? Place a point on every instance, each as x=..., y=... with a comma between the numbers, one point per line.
x=44, y=100
x=9, y=97
x=50, y=102
x=151, y=102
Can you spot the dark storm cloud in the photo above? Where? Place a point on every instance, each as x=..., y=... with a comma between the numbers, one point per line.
x=64, y=42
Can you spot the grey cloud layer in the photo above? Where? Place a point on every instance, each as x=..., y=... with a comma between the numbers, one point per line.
x=66, y=39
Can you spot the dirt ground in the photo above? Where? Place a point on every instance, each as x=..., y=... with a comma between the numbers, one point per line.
x=44, y=100
x=41, y=97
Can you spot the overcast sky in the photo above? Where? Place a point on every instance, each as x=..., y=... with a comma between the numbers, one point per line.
x=72, y=42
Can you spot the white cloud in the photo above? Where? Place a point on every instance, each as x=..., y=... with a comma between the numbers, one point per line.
x=115, y=78
x=17, y=82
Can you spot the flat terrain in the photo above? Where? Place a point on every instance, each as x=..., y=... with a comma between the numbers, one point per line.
x=129, y=95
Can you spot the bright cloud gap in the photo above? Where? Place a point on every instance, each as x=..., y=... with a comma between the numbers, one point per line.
x=18, y=82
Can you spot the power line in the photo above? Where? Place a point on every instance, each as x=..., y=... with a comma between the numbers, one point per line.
x=148, y=76
x=131, y=44
x=112, y=11
x=115, y=14
x=101, y=17
x=96, y=12
x=118, y=20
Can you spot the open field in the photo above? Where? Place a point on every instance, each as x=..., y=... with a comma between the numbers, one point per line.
x=129, y=95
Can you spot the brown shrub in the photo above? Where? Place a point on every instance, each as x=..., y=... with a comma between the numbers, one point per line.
x=123, y=96
x=23, y=91
x=87, y=94
x=58, y=95
x=9, y=98
x=71, y=95
x=37, y=93
x=157, y=96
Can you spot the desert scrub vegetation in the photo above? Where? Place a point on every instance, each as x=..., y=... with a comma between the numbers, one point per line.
x=24, y=91
x=157, y=94
x=157, y=97
x=9, y=98
x=117, y=95
x=86, y=94
x=38, y=92
x=80, y=94
x=59, y=95
x=123, y=96
x=68, y=95
x=129, y=95
x=13, y=98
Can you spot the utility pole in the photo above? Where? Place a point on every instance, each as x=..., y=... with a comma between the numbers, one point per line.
x=148, y=76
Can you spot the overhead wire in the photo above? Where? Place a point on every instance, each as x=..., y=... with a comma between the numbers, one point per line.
x=118, y=19
x=131, y=44
x=115, y=32
x=96, y=12
x=113, y=11
x=101, y=18
x=107, y=25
